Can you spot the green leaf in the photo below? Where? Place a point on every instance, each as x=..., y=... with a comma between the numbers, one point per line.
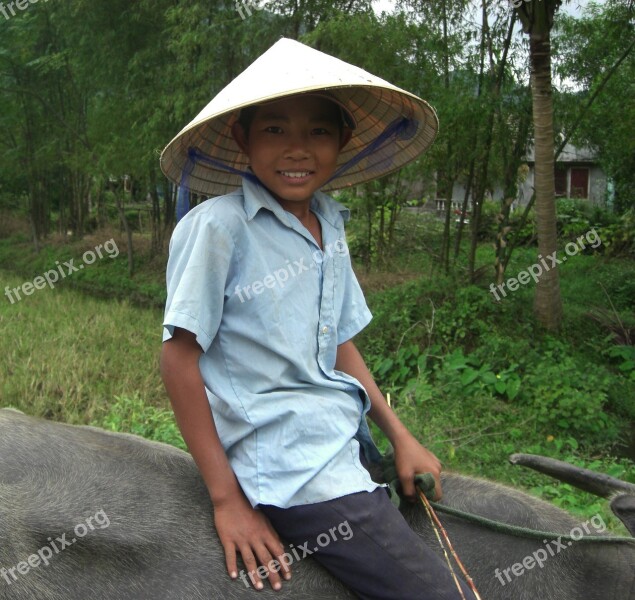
x=489, y=378
x=513, y=387
x=468, y=376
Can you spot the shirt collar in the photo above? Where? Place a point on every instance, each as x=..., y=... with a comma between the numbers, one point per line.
x=256, y=197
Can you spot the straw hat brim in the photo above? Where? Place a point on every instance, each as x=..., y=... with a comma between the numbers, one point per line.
x=289, y=68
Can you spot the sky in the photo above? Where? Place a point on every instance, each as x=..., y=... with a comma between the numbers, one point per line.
x=574, y=7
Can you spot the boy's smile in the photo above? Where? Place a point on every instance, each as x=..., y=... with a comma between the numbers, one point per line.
x=293, y=145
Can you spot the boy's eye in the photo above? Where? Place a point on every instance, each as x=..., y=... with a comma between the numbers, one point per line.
x=273, y=129
x=321, y=131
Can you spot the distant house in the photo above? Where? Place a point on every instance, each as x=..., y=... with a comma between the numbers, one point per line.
x=577, y=175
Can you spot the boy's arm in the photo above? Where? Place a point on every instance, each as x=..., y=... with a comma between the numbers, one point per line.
x=240, y=527
x=410, y=456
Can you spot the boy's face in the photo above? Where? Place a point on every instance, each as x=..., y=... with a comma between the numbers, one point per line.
x=293, y=145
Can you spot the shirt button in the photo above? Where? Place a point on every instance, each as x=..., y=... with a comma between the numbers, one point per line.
x=325, y=329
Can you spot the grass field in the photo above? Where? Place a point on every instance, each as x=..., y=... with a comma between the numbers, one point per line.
x=66, y=356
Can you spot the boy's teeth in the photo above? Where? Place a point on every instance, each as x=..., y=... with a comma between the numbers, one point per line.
x=296, y=174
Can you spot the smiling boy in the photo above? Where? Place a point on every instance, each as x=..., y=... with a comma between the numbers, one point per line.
x=270, y=392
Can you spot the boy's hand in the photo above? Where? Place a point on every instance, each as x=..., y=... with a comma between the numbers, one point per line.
x=411, y=458
x=244, y=529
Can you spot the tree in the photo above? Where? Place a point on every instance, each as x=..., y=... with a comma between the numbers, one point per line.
x=597, y=53
x=537, y=19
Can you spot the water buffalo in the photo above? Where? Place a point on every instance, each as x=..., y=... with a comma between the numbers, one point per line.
x=86, y=513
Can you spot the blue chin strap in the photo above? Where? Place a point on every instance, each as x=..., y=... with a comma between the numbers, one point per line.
x=400, y=129
x=194, y=156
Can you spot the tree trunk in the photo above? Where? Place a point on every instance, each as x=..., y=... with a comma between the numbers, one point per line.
x=448, y=188
x=126, y=226
x=547, y=301
x=169, y=214
x=512, y=161
x=463, y=214
x=157, y=231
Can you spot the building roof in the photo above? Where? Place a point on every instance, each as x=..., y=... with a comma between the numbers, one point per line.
x=570, y=154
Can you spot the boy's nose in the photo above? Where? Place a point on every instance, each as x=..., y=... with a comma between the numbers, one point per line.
x=297, y=154
x=298, y=147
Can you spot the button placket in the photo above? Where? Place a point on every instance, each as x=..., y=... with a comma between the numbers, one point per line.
x=327, y=307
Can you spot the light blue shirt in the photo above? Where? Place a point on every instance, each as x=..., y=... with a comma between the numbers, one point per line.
x=269, y=309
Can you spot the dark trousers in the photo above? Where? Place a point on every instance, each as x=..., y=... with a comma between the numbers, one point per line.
x=365, y=542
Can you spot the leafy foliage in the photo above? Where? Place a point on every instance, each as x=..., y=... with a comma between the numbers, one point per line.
x=472, y=348
x=131, y=414
x=619, y=237
x=625, y=358
x=563, y=400
x=587, y=47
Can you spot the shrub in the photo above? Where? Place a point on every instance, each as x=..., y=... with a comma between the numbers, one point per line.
x=526, y=234
x=564, y=400
x=463, y=321
x=130, y=414
x=619, y=237
x=488, y=223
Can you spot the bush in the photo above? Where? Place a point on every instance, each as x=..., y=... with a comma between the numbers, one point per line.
x=526, y=234
x=619, y=238
x=565, y=401
x=488, y=223
x=577, y=217
x=130, y=414
x=464, y=320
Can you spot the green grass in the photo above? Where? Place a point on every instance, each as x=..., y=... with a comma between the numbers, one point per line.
x=65, y=356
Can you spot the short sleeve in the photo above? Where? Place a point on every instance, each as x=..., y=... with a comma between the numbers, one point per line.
x=200, y=256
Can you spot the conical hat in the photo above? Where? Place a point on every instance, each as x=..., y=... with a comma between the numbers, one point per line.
x=393, y=126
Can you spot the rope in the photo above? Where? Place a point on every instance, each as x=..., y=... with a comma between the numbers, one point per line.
x=436, y=525
x=525, y=531
x=425, y=483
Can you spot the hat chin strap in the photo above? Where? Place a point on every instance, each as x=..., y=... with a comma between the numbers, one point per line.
x=401, y=128
x=194, y=155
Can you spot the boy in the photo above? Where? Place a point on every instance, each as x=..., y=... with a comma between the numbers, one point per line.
x=261, y=311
